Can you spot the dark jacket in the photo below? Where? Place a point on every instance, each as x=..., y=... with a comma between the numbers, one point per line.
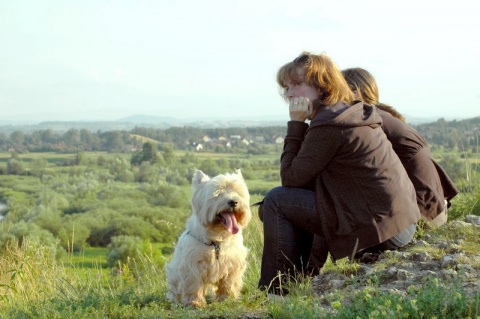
x=363, y=193
x=431, y=182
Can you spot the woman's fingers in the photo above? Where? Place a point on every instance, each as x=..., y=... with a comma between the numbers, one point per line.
x=300, y=108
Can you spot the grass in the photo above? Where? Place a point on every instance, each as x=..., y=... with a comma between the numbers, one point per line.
x=34, y=285
x=91, y=257
x=371, y=303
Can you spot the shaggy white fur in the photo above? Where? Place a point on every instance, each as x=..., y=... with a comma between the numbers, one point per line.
x=210, y=255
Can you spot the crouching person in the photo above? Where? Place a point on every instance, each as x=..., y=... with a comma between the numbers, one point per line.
x=341, y=180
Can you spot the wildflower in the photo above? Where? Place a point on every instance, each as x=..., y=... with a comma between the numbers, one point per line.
x=336, y=304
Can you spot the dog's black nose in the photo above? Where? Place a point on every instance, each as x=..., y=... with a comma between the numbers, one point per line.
x=232, y=203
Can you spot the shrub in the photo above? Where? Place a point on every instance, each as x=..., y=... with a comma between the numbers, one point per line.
x=146, y=172
x=15, y=167
x=209, y=167
x=38, y=166
x=123, y=225
x=77, y=232
x=122, y=248
x=19, y=232
x=163, y=194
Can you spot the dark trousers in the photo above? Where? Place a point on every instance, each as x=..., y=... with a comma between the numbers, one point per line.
x=293, y=238
x=290, y=220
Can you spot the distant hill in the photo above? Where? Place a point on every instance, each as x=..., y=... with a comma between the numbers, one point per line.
x=65, y=126
x=128, y=123
x=161, y=122
x=149, y=119
x=413, y=120
x=465, y=125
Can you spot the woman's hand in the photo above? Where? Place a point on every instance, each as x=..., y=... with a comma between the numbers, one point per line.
x=300, y=109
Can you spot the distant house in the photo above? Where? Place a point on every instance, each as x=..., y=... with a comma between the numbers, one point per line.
x=199, y=147
x=279, y=140
x=206, y=139
x=469, y=134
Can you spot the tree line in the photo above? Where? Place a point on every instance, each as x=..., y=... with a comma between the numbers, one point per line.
x=462, y=135
x=77, y=140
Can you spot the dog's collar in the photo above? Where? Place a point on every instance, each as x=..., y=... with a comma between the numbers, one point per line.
x=212, y=243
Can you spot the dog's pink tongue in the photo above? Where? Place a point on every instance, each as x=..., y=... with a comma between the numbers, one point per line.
x=230, y=222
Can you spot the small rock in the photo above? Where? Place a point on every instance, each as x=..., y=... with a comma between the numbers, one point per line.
x=336, y=283
x=459, y=224
x=403, y=274
x=422, y=243
x=466, y=269
x=423, y=256
x=473, y=219
x=454, y=248
x=392, y=271
x=429, y=265
x=447, y=273
x=447, y=261
x=442, y=245
x=365, y=270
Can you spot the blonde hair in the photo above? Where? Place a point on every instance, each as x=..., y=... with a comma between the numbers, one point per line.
x=362, y=81
x=321, y=73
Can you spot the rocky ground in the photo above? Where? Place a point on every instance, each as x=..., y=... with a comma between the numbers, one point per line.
x=449, y=253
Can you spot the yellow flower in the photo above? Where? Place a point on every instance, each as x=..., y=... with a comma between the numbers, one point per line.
x=336, y=304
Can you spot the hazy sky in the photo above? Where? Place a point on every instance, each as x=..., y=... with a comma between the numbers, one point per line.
x=105, y=60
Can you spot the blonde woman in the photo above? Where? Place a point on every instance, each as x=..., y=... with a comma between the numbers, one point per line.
x=341, y=180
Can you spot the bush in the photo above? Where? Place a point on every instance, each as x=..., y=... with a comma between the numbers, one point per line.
x=15, y=167
x=22, y=230
x=122, y=248
x=123, y=225
x=146, y=173
x=163, y=194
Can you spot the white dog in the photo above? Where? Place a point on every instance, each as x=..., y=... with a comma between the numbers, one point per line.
x=210, y=252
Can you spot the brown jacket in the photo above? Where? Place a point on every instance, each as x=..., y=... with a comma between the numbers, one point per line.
x=363, y=193
x=432, y=184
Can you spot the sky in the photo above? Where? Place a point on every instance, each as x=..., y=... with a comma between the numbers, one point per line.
x=86, y=60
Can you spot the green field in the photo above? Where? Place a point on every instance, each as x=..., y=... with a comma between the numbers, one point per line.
x=87, y=236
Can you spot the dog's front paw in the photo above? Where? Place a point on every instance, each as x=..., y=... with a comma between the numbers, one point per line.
x=196, y=304
x=196, y=300
x=221, y=297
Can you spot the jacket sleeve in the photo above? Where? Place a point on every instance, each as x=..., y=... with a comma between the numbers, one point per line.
x=306, y=152
x=406, y=141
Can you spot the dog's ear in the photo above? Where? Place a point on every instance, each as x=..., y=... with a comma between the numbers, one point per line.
x=239, y=172
x=199, y=177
